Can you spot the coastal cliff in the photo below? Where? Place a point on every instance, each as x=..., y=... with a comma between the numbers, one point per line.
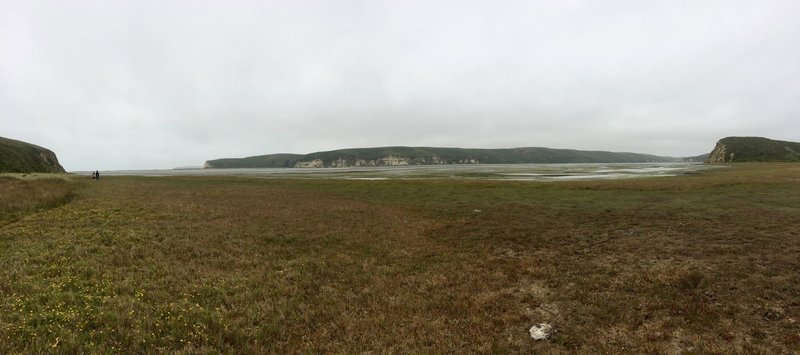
x=22, y=157
x=753, y=149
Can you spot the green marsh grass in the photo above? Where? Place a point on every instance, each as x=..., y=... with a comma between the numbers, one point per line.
x=705, y=263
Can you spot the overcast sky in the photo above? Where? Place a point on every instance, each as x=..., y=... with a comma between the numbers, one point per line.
x=158, y=84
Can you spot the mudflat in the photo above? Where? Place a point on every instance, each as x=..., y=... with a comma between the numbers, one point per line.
x=708, y=262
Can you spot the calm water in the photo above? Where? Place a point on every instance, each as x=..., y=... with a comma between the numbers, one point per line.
x=536, y=172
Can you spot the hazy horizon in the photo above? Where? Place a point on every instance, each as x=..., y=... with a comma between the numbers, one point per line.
x=157, y=85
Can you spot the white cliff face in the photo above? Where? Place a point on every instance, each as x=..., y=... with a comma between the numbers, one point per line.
x=316, y=163
x=362, y=162
x=390, y=160
x=719, y=154
x=393, y=161
x=339, y=163
x=208, y=165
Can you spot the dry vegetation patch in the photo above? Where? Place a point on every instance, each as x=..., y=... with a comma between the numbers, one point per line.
x=22, y=194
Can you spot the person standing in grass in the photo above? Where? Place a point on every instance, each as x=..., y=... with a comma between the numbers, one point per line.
x=97, y=175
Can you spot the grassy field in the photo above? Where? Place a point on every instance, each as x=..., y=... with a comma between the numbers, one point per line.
x=706, y=263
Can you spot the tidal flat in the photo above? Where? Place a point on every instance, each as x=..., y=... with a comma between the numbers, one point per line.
x=704, y=262
x=521, y=172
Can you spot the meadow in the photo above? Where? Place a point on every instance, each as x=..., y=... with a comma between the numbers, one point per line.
x=706, y=263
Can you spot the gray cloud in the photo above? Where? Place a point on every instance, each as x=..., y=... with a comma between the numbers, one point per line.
x=157, y=84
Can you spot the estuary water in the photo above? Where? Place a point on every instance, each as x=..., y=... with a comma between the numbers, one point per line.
x=519, y=172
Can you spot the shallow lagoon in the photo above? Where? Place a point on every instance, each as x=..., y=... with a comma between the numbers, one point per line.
x=517, y=172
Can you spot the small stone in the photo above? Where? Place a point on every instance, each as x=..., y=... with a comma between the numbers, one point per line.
x=477, y=211
x=541, y=331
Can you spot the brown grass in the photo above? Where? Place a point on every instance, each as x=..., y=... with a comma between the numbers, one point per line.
x=22, y=194
x=703, y=263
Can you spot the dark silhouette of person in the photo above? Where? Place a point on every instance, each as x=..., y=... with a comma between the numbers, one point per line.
x=97, y=175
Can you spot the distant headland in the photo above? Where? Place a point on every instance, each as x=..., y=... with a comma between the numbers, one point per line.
x=400, y=156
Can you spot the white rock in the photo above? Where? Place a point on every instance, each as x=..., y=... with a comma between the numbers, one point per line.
x=541, y=331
